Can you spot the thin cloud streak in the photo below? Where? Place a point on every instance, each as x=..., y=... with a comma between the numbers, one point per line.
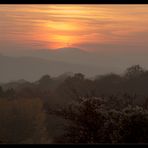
x=53, y=26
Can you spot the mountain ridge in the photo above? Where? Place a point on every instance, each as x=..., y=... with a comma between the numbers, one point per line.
x=28, y=68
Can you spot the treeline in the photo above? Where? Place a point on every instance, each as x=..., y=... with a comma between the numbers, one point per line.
x=71, y=108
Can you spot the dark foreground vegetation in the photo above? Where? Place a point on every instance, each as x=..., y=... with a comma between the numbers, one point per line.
x=73, y=109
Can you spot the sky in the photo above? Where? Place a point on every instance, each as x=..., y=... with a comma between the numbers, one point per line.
x=88, y=27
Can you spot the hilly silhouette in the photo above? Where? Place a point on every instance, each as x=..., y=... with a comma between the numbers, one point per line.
x=109, y=59
x=32, y=64
x=32, y=68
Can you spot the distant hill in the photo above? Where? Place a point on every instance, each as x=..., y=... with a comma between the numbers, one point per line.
x=70, y=55
x=31, y=68
x=76, y=56
x=105, y=59
x=32, y=64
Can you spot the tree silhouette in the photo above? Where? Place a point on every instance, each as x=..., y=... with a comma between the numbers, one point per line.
x=134, y=71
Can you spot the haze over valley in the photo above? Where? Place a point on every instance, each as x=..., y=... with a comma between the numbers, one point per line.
x=73, y=74
x=32, y=64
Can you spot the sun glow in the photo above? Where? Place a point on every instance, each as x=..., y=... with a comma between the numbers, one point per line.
x=54, y=26
x=63, y=40
x=62, y=26
x=62, y=34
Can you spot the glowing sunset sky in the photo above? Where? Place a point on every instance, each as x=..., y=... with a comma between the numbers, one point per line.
x=83, y=26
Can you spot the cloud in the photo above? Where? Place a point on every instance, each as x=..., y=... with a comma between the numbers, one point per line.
x=102, y=24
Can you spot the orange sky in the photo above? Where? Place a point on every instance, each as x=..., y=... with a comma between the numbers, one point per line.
x=85, y=26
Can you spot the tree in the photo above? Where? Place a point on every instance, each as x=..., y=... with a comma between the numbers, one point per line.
x=85, y=121
x=133, y=125
x=10, y=93
x=79, y=76
x=22, y=121
x=134, y=71
x=45, y=79
x=45, y=83
x=74, y=87
x=1, y=92
x=107, y=84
